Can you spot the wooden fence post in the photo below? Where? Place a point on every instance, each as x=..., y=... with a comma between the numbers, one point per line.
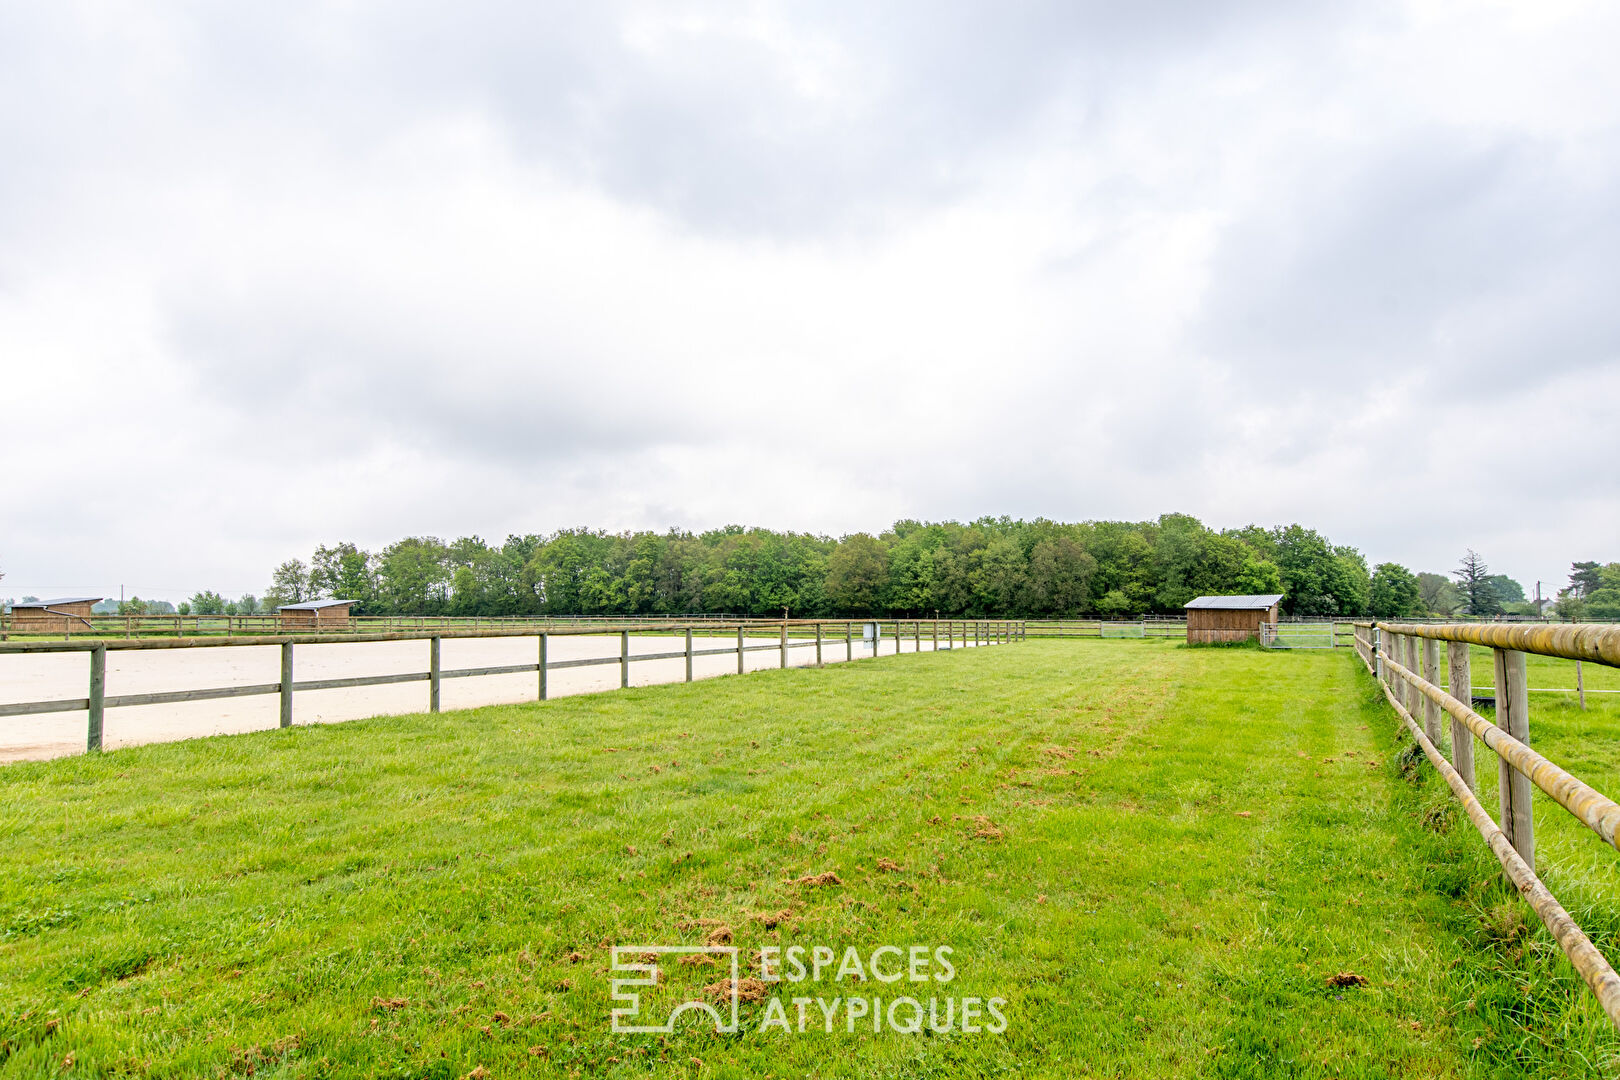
x=739, y=648
x=624, y=659
x=849, y=641
x=286, y=683
x=1580, y=687
x=98, y=697
x=1460, y=684
x=1431, y=675
x=1513, y=717
x=433, y=674
x=688, y=654
x=936, y=635
x=818, y=645
x=544, y=640
x=784, y=644
x=1410, y=661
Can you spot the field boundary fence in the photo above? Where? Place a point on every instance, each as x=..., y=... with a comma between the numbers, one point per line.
x=1299, y=635
x=1405, y=660
x=1105, y=628
x=942, y=635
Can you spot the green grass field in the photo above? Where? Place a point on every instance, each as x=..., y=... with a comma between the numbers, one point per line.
x=1158, y=856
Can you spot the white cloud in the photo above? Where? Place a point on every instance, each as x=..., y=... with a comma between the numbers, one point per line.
x=358, y=272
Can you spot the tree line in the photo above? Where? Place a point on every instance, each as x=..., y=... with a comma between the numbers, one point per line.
x=985, y=568
x=988, y=567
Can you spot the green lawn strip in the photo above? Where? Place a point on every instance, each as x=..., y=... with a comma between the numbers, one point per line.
x=430, y=895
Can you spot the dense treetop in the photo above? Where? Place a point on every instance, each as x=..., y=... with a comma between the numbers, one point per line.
x=992, y=566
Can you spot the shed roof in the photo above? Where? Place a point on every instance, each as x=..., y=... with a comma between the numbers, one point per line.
x=58, y=600
x=314, y=605
x=1235, y=603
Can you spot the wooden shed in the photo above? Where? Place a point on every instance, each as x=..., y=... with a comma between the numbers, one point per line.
x=59, y=616
x=1230, y=618
x=315, y=615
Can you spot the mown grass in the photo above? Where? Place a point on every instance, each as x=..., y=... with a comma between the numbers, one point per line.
x=1157, y=855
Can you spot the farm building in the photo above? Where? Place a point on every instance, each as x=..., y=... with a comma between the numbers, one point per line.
x=58, y=616
x=315, y=615
x=1230, y=618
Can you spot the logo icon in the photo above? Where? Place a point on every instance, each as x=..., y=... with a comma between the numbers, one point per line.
x=643, y=960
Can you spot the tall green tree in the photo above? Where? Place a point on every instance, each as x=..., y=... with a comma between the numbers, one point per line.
x=1439, y=594
x=289, y=584
x=857, y=573
x=1394, y=593
x=1474, y=586
x=344, y=572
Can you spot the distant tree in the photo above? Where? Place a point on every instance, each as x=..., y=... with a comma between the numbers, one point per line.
x=413, y=576
x=288, y=585
x=248, y=605
x=1439, y=594
x=1394, y=593
x=343, y=572
x=857, y=573
x=1585, y=578
x=185, y=608
x=1114, y=604
x=1507, y=590
x=1474, y=585
x=133, y=606
x=1319, y=578
x=1604, y=601
x=207, y=602
x=1570, y=605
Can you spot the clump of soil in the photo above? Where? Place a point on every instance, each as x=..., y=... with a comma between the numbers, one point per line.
x=1345, y=978
x=698, y=960
x=720, y=935
x=771, y=919
x=985, y=829
x=889, y=866
x=749, y=990
x=818, y=880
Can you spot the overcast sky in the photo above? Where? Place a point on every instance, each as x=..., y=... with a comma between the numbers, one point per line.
x=273, y=275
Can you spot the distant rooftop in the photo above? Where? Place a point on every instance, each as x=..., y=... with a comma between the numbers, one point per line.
x=59, y=600
x=1235, y=603
x=313, y=605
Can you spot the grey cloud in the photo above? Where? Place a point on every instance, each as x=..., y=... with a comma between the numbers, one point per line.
x=714, y=131
x=1485, y=262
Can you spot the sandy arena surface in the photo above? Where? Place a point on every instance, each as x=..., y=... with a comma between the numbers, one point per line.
x=54, y=676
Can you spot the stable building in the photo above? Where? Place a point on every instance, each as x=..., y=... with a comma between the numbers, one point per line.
x=315, y=615
x=1230, y=618
x=63, y=615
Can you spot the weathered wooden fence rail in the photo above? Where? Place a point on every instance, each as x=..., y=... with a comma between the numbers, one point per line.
x=1405, y=659
x=956, y=633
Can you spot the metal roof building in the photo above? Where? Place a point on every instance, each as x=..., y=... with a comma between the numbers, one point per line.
x=1230, y=618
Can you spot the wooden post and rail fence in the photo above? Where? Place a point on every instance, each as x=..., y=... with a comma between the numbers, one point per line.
x=1405, y=659
x=97, y=701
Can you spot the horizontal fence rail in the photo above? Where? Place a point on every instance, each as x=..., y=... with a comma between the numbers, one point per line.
x=1405, y=660
x=746, y=634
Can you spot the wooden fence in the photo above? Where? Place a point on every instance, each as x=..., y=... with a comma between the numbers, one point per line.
x=1405, y=659
x=134, y=626
x=97, y=701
